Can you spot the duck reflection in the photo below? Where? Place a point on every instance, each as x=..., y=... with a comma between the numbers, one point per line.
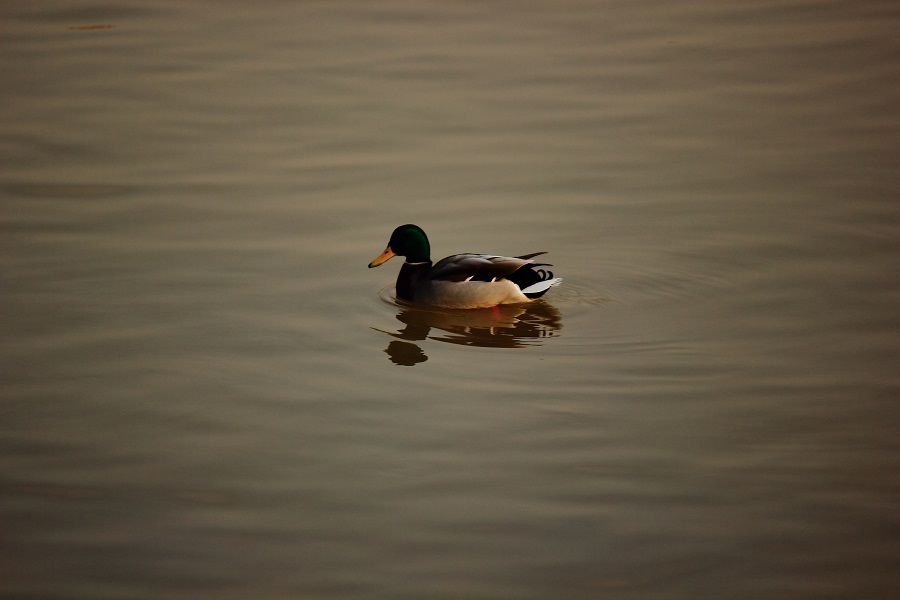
x=505, y=326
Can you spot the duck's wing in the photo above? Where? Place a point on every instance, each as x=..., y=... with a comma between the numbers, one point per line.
x=478, y=267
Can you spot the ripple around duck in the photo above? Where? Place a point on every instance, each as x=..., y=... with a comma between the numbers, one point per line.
x=582, y=293
x=388, y=295
x=630, y=284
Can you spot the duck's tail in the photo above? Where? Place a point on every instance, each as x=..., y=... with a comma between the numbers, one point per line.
x=536, y=290
x=533, y=281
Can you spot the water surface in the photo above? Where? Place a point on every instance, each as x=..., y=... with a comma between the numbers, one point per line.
x=206, y=394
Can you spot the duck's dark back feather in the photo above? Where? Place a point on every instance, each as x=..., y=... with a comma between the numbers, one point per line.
x=532, y=255
x=477, y=267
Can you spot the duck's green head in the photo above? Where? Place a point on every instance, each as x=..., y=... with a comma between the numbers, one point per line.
x=408, y=241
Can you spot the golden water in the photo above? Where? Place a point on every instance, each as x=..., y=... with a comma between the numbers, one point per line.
x=206, y=394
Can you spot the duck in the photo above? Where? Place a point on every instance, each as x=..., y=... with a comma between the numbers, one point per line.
x=463, y=280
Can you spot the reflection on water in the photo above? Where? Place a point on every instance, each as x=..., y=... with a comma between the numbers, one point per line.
x=195, y=405
x=506, y=326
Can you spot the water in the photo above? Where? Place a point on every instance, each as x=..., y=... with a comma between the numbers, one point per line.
x=206, y=394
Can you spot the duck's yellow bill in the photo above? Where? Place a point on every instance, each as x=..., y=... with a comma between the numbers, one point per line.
x=383, y=257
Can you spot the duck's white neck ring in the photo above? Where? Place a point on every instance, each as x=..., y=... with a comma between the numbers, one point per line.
x=424, y=262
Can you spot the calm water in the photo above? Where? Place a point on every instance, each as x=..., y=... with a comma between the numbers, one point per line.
x=206, y=394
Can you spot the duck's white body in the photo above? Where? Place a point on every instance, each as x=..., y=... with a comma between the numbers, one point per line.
x=469, y=294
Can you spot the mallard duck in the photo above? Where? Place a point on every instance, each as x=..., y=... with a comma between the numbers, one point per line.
x=463, y=280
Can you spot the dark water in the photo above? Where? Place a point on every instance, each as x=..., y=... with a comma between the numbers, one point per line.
x=206, y=394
